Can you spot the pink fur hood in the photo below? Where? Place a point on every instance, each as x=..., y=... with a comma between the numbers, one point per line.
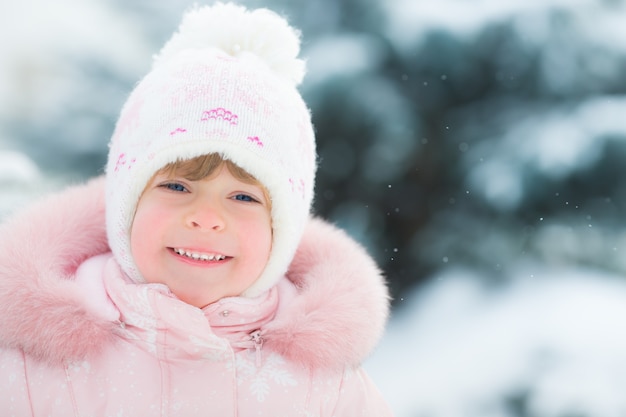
x=335, y=321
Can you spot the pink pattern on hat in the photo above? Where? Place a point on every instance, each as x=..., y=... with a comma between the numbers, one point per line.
x=255, y=139
x=298, y=186
x=177, y=130
x=122, y=161
x=220, y=113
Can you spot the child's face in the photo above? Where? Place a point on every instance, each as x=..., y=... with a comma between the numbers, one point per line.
x=204, y=239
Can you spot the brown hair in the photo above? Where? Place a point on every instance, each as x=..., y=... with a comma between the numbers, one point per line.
x=203, y=166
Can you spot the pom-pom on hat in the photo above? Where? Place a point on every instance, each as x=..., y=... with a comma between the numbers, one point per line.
x=226, y=82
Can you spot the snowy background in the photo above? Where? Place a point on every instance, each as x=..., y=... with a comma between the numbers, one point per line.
x=476, y=147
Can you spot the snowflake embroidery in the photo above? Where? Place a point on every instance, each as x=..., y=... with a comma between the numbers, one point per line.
x=260, y=379
x=213, y=350
x=140, y=303
x=77, y=367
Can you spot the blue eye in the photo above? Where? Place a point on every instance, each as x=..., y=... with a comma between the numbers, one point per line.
x=174, y=186
x=244, y=197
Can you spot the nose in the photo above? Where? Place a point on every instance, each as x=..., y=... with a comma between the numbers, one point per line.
x=205, y=215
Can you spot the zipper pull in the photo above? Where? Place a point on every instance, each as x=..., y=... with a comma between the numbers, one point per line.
x=256, y=338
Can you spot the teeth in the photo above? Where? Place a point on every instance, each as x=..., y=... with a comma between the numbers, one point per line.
x=199, y=256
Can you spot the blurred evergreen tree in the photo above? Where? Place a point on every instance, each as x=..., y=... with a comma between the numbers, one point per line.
x=403, y=143
x=450, y=147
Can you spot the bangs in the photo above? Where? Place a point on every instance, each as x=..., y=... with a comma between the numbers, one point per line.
x=204, y=166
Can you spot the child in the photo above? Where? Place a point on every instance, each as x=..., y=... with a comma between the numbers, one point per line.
x=211, y=291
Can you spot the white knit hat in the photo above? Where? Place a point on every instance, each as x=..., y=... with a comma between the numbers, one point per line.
x=224, y=83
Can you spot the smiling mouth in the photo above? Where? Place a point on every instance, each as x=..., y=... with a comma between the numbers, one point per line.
x=199, y=256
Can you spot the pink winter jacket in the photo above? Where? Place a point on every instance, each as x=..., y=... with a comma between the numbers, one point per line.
x=78, y=339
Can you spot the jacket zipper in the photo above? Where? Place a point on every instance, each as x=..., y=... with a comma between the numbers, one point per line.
x=257, y=339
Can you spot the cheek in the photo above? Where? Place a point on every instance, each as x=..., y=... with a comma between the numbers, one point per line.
x=147, y=226
x=259, y=237
x=148, y=217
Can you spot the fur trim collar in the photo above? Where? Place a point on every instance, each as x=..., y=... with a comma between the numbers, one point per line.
x=336, y=320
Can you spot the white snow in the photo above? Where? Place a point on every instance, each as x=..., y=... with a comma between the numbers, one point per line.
x=409, y=20
x=40, y=45
x=553, y=338
x=19, y=177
